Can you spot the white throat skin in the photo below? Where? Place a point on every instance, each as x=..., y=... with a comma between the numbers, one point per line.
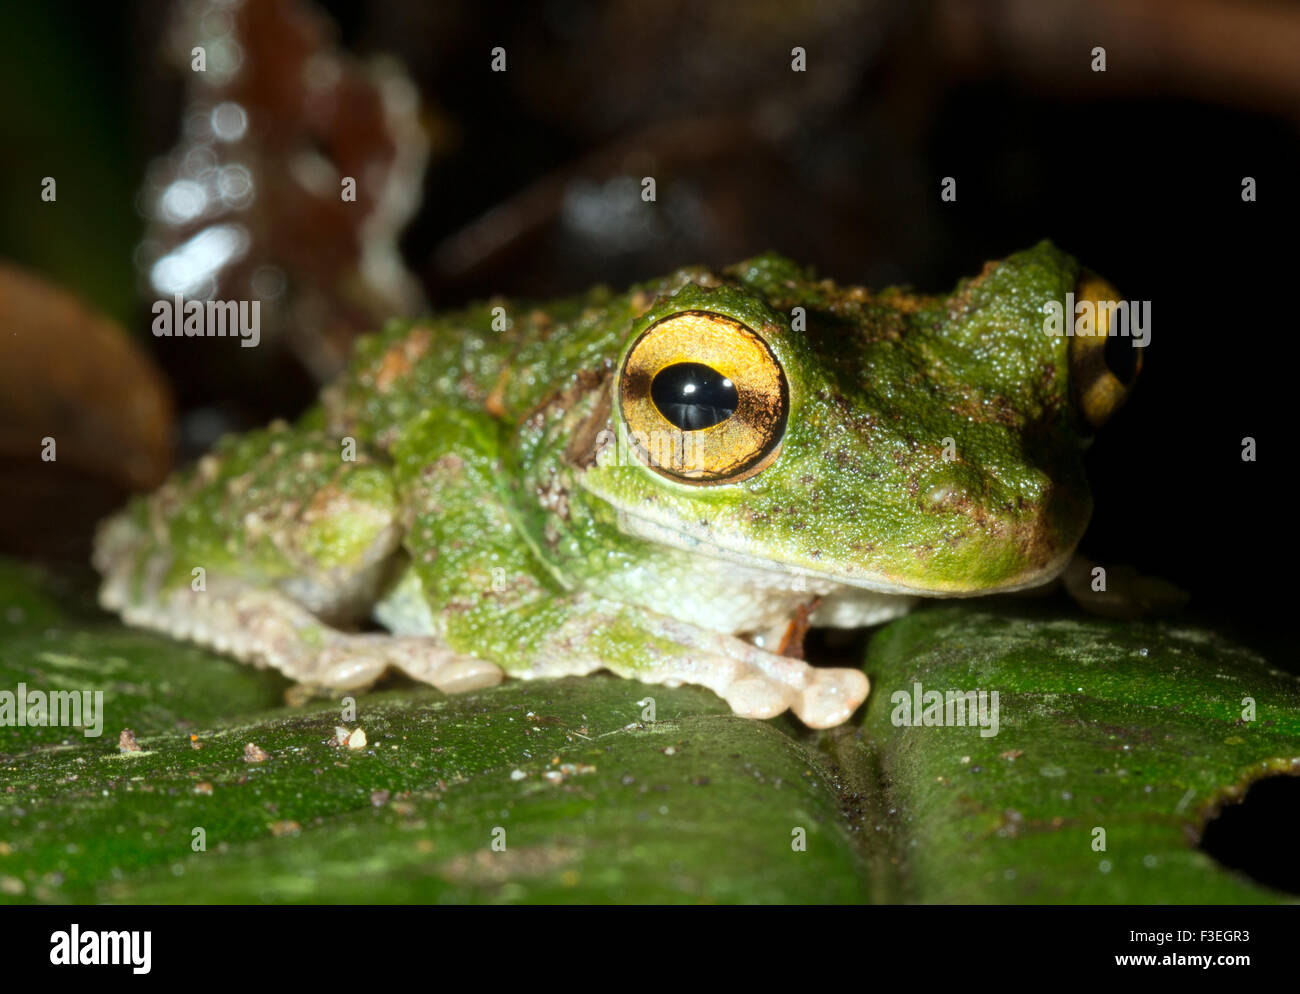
x=702, y=544
x=747, y=594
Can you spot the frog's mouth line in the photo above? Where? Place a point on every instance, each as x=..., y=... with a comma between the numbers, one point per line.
x=678, y=538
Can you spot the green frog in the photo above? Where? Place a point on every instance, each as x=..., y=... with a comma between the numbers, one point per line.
x=670, y=483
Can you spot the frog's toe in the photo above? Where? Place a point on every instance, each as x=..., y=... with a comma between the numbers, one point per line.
x=757, y=696
x=357, y=661
x=468, y=674
x=449, y=671
x=831, y=696
x=352, y=664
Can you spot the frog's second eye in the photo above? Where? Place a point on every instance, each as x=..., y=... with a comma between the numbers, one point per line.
x=1104, y=366
x=704, y=399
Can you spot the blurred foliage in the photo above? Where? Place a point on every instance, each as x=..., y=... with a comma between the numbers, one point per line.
x=60, y=119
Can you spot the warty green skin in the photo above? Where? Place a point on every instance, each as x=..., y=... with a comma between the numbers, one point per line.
x=861, y=489
x=930, y=448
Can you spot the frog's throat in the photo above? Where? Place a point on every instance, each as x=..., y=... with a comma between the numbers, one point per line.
x=661, y=534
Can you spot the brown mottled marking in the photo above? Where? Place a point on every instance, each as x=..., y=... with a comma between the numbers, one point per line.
x=584, y=381
x=583, y=443
x=469, y=389
x=541, y=323
x=495, y=404
x=398, y=360
x=449, y=463
x=996, y=409
x=960, y=302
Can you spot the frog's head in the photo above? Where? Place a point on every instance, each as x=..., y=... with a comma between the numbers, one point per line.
x=891, y=441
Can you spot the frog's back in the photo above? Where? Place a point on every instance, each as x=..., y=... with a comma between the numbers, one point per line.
x=501, y=356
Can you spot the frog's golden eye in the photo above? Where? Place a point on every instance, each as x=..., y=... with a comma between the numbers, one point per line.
x=703, y=398
x=1105, y=365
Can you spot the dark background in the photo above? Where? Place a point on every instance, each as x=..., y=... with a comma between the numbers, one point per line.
x=1137, y=171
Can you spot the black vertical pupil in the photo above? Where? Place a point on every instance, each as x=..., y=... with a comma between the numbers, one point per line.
x=1121, y=358
x=693, y=396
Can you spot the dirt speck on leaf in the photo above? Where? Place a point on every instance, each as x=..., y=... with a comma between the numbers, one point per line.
x=488, y=867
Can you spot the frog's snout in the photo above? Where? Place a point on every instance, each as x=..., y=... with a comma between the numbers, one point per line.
x=1105, y=364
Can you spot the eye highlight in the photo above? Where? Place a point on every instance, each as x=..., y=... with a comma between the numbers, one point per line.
x=692, y=395
x=703, y=398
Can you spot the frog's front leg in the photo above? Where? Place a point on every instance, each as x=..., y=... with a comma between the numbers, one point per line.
x=533, y=631
x=477, y=581
x=657, y=649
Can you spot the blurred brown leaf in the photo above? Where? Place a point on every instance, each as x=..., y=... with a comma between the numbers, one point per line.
x=71, y=375
x=249, y=204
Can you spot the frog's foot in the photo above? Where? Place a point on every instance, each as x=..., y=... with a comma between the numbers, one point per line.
x=268, y=628
x=354, y=662
x=419, y=657
x=757, y=684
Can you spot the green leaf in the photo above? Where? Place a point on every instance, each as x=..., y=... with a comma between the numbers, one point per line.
x=51, y=640
x=1132, y=728
x=594, y=804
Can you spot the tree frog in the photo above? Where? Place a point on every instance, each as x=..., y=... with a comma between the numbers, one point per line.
x=668, y=483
